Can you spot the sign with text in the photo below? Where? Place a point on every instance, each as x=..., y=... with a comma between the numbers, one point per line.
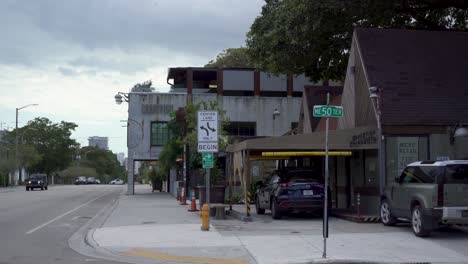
x=207, y=128
x=327, y=111
x=407, y=151
x=207, y=160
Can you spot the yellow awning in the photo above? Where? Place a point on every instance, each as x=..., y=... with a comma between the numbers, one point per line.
x=305, y=153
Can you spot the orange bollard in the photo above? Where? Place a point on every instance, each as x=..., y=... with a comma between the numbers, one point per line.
x=183, y=199
x=193, y=205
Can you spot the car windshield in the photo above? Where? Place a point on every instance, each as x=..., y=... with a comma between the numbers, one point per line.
x=37, y=177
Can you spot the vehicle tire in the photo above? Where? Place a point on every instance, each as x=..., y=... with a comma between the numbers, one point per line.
x=418, y=223
x=275, y=214
x=42, y=188
x=260, y=211
x=27, y=188
x=386, y=215
x=46, y=188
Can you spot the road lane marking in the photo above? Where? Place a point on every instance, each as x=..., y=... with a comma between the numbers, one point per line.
x=175, y=258
x=64, y=214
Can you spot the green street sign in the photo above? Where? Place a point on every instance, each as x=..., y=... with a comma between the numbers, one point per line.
x=327, y=111
x=207, y=160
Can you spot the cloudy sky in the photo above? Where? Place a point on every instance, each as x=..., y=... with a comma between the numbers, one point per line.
x=71, y=57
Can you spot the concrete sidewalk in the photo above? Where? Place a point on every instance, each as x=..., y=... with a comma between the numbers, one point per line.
x=154, y=228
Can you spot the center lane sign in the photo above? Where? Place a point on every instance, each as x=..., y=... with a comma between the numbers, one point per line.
x=207, y=128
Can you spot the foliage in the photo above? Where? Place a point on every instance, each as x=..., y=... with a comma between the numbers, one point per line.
x=186, y=133
x=143, y=87
x=104, y=162
x=75, y=171
x=233, y=58
x=45, y=146
x=314, y=37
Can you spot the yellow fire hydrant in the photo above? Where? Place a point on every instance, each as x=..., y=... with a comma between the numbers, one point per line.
x=205, y=217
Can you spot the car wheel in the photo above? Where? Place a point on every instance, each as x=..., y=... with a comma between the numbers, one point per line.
x=42, y=188
x=386, y=215
x=46, y=188
x=260, y=210
x=27, y=188
x=418, y=224
x=275, y=214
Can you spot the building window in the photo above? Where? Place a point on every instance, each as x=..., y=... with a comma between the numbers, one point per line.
x=159, y=133
x=401, y=151
x=243, y=129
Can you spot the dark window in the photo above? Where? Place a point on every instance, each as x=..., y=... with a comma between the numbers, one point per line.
x=456, y=174
x=294, y=125
x=244, y=129
x=159, y=133
x=428, y=174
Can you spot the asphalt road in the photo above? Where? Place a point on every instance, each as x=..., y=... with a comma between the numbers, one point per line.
x=35, y=226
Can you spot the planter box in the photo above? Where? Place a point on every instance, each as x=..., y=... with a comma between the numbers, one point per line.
x=217, y=193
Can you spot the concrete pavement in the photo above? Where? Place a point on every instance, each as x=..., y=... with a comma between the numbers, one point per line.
x=154, y=228
x=35, y=226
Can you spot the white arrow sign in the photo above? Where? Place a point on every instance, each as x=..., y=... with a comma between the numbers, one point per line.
x=207, y=128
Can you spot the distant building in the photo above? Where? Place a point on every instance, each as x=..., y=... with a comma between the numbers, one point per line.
x=2, y=134
x=99, y=142
x=121, y=158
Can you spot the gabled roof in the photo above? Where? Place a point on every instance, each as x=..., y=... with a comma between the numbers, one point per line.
x=423, y=74
x=317, y=95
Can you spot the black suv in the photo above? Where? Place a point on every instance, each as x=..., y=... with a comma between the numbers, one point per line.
x=36, y=180
x=291, y=190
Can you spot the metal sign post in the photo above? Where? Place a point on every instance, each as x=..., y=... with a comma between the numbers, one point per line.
x=326, y=111
x=207, y=128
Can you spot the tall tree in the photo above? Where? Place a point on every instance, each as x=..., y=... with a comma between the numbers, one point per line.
x=51, y=141
x=314, y=36
x=232, y=58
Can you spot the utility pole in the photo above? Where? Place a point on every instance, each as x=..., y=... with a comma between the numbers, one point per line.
x=16, y=141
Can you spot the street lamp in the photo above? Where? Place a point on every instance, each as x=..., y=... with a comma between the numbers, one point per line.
x=121, y=97
x=16, y=140
x=275, y=113
x=375, y=96
x=458, y=130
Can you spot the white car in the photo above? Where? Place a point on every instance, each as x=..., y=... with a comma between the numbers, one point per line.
x=117, y=181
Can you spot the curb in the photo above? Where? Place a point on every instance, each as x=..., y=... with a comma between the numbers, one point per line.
x=357, y=219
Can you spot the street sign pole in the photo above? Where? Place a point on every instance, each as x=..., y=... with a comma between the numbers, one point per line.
x=325, y=206
x=207, y=187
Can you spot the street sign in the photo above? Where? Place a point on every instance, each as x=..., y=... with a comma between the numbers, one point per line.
x=207, y=128
x=207, y=147
x=207, y=160
x=328, y=111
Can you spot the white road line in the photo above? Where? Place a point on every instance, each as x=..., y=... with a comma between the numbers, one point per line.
x=64, y=214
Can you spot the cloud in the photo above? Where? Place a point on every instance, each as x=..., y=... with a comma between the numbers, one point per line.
x=71, y=57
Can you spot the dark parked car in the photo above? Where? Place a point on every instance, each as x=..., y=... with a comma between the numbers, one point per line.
x=291, y=190
x=36, y=180
x=81, y=180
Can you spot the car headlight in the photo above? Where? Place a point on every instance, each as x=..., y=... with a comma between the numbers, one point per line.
x=29, y=182
x=39, y=182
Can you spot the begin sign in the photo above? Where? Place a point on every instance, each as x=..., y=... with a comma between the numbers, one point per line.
x=207, y=147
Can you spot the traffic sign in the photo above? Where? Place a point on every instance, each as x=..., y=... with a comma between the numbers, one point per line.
x=328, y=111
x=207, y=128
x=208, y=147
x=207, y=160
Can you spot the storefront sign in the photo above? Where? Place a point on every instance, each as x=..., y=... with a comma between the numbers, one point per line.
x=157, y=108
x=407, y=151
x=365, y=138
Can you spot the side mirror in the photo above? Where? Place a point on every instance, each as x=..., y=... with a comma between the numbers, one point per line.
x=397, y=179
